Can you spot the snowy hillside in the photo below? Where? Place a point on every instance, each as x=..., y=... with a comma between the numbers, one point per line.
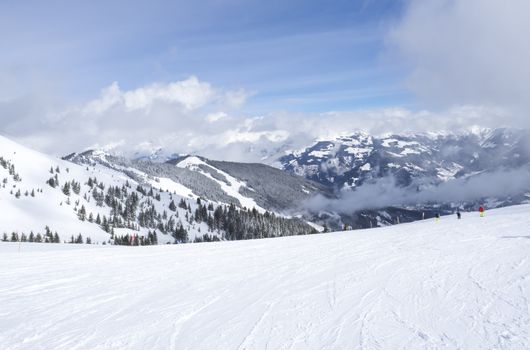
x=38, y=204
x=455, y=284
x=105, y=204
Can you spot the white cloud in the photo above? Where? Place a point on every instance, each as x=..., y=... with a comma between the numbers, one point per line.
x=236, y=98
x=235, y=136
x=110, y=96
x=176, y=115
x=190, y=94
x=213, y=117
x=215, y=131
x=466, y=52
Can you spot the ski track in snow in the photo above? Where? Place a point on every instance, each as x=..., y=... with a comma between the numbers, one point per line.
x=426, y=285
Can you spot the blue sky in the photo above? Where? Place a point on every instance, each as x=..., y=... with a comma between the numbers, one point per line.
x=290, y=55
x=235, y=79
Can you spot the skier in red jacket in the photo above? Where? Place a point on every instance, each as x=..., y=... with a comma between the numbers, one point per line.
x=481, y=211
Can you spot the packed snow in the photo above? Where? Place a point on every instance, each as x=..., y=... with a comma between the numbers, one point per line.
x=455, y=284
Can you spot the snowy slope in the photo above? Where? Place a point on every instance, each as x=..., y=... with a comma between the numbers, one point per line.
x=426, y=285
x=48, y=207
x=107, y=202
x=51, y=207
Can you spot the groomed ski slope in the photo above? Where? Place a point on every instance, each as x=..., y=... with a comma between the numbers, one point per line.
x=426, y=285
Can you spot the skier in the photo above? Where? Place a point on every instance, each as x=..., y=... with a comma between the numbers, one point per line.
x=437, y=216
x=458, y=214
x=481, y=211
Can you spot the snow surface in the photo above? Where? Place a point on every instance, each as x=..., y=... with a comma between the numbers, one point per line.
x=455, y=284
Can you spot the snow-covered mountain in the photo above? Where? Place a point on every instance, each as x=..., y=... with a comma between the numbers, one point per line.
x=160, y=203
x=349, y=161
x=451, y=284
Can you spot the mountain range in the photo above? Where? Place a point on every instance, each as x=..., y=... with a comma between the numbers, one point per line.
x=416, y=163
x=349, y=161
x=139, y=195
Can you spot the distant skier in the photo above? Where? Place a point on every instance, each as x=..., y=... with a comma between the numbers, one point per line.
x=481, y=211
x=458, y=214
x=437, y=217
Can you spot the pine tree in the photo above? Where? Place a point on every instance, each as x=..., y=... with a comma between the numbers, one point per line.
x=81, y=213
x=182, y=204
x=180, y=234
x=48, y=236
x=51, y=182
x=66, y=189
x=76, y=187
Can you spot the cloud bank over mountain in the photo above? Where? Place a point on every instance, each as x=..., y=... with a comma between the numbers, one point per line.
x=193, y=117
x=385, y=192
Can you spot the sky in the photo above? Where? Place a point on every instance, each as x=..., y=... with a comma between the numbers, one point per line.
x=240, y=80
